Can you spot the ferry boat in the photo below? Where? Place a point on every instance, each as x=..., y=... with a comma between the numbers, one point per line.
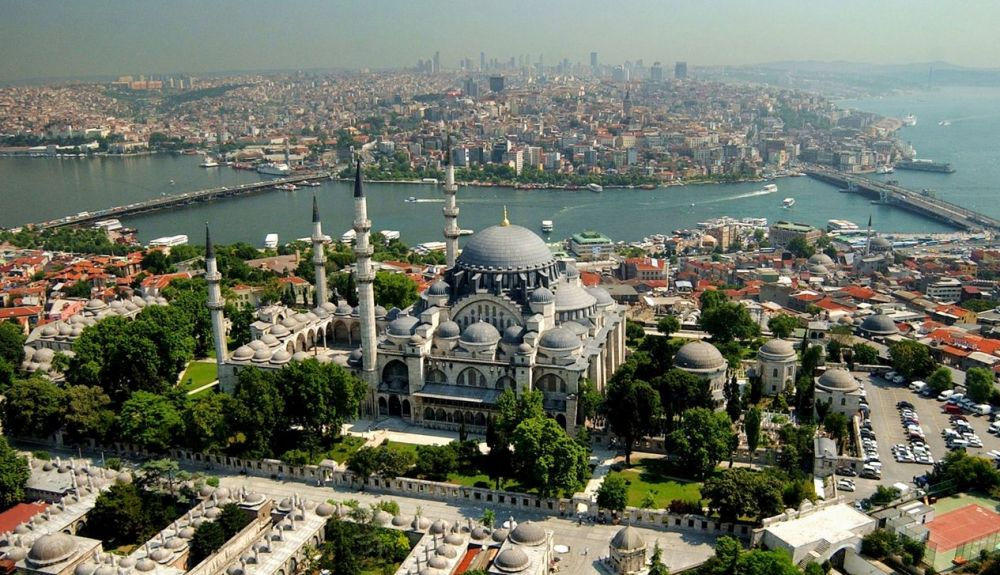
x=411, y=200
x=273, y=169
x=909, y=120
x=885, y=169
x=390, y=235
x=925, y=166
x=841, y=226
x=286, y=187
x=209, y=163
x=466, y=232
x=595, y=188
x=271, y=241
x=769, y=188
x=348, y=236
x=547, y=226
x=310, y=184
x=787, y=202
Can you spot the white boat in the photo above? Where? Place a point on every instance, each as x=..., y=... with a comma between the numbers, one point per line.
x=909, y=120
x=411, y=200
x=547, y=226
x=841, y=226
x=286, y=187
x=787, y=202
x=273, y=169
x=271, y=241
x=348, y=236
x=209, y=163
x=885, y=169
x=466, y=232
x=769, y=188
x=310, y=184
x=944, y=123
x=595, y=187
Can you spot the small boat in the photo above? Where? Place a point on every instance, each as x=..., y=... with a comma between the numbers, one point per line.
x=547, y=226
x=410, y=200
x=769, y=188
x=885, y=169
x=348, y=236
x=209, y=162
x=286, y=187
x=271, y=241
x=909, y=120
x=595, y=188
x=944, y=123
x=310, y=184
x=171, y=182
x=466, y=232
x=787, y=202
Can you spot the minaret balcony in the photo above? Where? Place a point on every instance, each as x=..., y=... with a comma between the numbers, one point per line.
x=450, y=212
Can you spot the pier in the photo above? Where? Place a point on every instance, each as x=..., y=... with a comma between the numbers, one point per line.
x=920, y=203
x=174, y=201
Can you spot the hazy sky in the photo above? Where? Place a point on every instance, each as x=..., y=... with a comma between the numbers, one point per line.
x=47, y=38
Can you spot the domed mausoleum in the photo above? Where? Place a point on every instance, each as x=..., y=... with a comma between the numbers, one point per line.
x=776, y=365
x=627, y=551
x=704, y=361
x=840, y=390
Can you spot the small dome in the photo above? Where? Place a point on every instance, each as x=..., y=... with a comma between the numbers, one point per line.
x=382, y=517
x=524, y=348
x=320, y=312
x=776, y=348
x=116, y=304
x=51, y=549
x=839, y=380
x=329, y=306
x=440, y=526
x=542, y=295
x=513, y=335
x=49, y=331
x=301, y=317
x=243, y=353
x=234, y=570
x=380, y=312
x=420, y=524
x=403, y=326
x=343, y=309
x=439, y=288
x=571, y=271
x=437, y=562
x=279, y=331
x=356, y=356
x=186, y=533
x=528, y=533
x=87, y=568
x=628, y=539
x=257, y=345
x=480, y=533
x=44, y=355
x=281, y=356
x=699, y=355
x=160, y=555
x=401, y=521
x=881, y=244
x=105, y=570
x=455, y=539
x=253, y=498
x=499, y=535
x=213, y=513
x=818, y=270
x=878, y=324
x=126, y=562
x=270, y=341
x=481, y=333
x=448, y=330
x=290, y=323
x=300, y=356
x=95, y=305
x=445, y=550
x=175, y=543
x=820, y=259
x=16, y=554
x=559, y=338
x=145, y=565
x=261, y=355
x=325, y=509
x=601, y=295
x=511, y=560
x=416, y=339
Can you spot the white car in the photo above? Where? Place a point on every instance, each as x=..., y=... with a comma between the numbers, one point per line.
x=845, y=485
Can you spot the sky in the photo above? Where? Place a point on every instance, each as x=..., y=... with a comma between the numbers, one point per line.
x=79, y=38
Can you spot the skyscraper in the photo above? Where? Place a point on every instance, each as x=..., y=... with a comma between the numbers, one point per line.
x=437, y=63
x=496, y=83
x=680, y=70
x=593, y=60
x=482, y=60
x=656, y=72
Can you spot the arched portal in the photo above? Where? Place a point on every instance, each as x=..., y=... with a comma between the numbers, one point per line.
x=406, y=408
x=383, y=406
x=428, y=414
x=341, y=333
x=561, y=420
x=395, y=409
x=396, y=375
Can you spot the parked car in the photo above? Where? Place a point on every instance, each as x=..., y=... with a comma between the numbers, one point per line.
x=845, y=485
x=899, y=380
x=944, y=395
x=904, y=405
x=952, y=408
x=846, y=471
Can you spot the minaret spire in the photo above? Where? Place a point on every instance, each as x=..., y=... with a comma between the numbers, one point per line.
x=319, y=256
x=365, y=279
x=215, y=301
x=868, y=241
x=504, y=222
x=451, y=231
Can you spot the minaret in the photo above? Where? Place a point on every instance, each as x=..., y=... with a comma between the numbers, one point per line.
x=365, y=278
x=868, y=241
x=319, y=256
x=451, y=231
x=215, y=301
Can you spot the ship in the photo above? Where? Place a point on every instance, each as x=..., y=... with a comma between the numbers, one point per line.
x=787, y=202
x=286, y=187
x=310, y=184
x=595, y=188
x=769, y=188
x=271, y=241
x=925, y=166
x=209, y=162
x=348, y=236
x=841, y=226
x=547, y=226
x=885, y=169
x=411, y=200
x=390, y=235
x=273, y=169
x=909, y=120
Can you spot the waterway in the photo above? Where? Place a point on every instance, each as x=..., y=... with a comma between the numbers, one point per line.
x=36, y=189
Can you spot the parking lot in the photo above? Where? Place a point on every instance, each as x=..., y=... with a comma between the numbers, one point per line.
x=882, y=397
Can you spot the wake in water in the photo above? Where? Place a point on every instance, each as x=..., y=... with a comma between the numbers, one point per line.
x=429, y=201
x=737, y=197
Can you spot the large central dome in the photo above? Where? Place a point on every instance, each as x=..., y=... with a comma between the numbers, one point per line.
x=505, y=248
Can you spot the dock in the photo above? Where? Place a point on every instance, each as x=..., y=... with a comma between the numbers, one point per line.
x=917, y=202
x=178, y=200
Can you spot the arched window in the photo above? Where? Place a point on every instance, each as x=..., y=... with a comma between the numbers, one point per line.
x=471, y=377
x=437, y=376
x=551, y=383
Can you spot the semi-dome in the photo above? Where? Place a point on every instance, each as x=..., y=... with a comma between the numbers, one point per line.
x=505, y=248
x=571, y=296
x=438, y=288
x=821, y=259
x=542, y=295
x=628, y=539
x=838, y=380
x=512, y=560
x=448, y=330
x=699, y=355
x=559, y=338
x=51, y=549
x=881, y=244
x=601, y=295
x=481, y=333
x=777, y=348
x=403, y=325
x=528, y=533
x=513, y=335
x=879, y=324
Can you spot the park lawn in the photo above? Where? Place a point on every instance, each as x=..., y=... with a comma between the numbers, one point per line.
x=344, y=447
x=199, y=374
x=400, y=446
x=652, y=475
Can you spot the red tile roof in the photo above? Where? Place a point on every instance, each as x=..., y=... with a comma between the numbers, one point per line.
x=18, y=514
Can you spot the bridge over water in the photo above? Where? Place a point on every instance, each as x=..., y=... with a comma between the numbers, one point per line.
x=917, y=202
x=178, y=200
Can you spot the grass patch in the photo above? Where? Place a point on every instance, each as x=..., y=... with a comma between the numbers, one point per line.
x=660, y=479
x=344, y=447
x=199, y=374
x=401, y=447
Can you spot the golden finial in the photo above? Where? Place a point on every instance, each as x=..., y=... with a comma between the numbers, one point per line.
x=505, y=222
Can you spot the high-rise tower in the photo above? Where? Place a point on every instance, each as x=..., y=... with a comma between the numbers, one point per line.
x=319, y=256
x=451, y=231
x=215, y=301
x=365, y=278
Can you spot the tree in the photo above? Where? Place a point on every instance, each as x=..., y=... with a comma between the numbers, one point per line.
x=751, y=425
x=879, y=543
x=150, y=420
x=88, y=412
x=192, y=300
x=734, y=399
x=394, y=290
x=979, y=384
x=546, y=458
x=80, y=289
x=760, y=562
x=11, y=343
x=589, y=401
x=728, y=321
x=205, y=421
x=382, y=461
x=800, y=248
x=232, y=519
x=240, y=317
x=960, y=471
x=865, y=354
x=14, y=473
x=208, y=538
x=323, y=396
x=656, y=566
x=668, y=325
x=940, y=380
x=836, y=425
x=435, y=462
x=255, y=411
x=740, y=492
x=782, y=325
x=912, y=359
x=34, y=407
x=680, y=390
x=155, y=472
x=712, y=298
x=156, y=262
x=702, y=440
x=632, y=409
x=613, y=493
x=117, y=517
x=634, y=332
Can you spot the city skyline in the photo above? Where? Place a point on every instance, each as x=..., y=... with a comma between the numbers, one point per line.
x=116, y=37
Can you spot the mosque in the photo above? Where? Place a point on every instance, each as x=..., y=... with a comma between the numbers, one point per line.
x=506, y=315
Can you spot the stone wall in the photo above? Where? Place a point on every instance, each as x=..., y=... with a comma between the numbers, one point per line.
x=233, y=548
